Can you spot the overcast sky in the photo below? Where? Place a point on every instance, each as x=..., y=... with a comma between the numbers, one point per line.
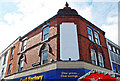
x=17, y=17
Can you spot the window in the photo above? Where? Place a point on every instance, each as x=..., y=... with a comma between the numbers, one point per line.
x=115, y=57
x=9, y=68
x=12, y=51
x=45, y=33
x=5, y=58
x=96, y=38
x=117, y=51
x=90, y=35
x=109, y=47
x=44, y=56
x=93, y=57
x=21, y=65
x=116, y=67
x=114, y=49
x=2, y=73
x=100, y=57
x=24, y=44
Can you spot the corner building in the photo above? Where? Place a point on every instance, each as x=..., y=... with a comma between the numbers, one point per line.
x=65, y=47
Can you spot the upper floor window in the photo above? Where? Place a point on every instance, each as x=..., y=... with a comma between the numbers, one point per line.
x=109, y=46
x=96, y=38
x=9, y=68
x=24, y=42
x=44, y=56
x=114, y=49
x=116, y=67
x=45, y=33
x=5, y=58
x=12, y=51
x=90, y=35
x=21, y=64
x=93, y=57
x=117, y=51
x=2, y=73
x=100, y=57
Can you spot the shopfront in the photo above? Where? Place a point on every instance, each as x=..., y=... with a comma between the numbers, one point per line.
x=55, y=75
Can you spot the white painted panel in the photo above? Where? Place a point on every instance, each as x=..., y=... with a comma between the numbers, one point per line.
x=68, y=42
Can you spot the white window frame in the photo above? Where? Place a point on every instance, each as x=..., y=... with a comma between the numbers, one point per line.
x=5, y=56
x=97, y=38
x=24, y=44
x=100, y=60
x=12, y=52
x=91, y=35
x=95, y=60
x=114, y=49
x=43, y=51
x=46, y=33
x=2, y=72
x=109, y=47
x=117, y=51
x=9, y=68
x=21, y=64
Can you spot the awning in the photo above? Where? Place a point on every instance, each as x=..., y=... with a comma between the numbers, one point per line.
x=97, y=75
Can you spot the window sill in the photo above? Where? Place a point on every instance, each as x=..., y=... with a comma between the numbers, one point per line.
x=91, y=40
x=45, y=40
x=23, y=51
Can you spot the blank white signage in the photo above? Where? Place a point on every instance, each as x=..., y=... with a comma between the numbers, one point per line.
x=68, y=42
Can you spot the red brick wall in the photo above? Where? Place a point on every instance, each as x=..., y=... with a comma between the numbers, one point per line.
x=34, y=44
x=14, y=60
x=83, y=40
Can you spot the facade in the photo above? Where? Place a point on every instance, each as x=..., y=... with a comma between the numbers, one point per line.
x=66, y=46
x=114, y=53
x=4, y=57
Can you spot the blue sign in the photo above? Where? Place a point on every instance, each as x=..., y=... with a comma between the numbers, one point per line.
x=55, y=75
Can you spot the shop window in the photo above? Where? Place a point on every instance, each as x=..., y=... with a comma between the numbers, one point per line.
x=24, y=42
x=100, y=58
x=45, y=33
x=93, y=57
x=9, y=68
x=96, y=38
x=5, y=58
x=12, y=51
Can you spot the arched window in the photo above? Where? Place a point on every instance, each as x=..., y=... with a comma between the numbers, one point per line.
x=45, y=53
x=21, y=62
x=92, y=52
x=100, y=56
x=44, y=58
x=93, y=57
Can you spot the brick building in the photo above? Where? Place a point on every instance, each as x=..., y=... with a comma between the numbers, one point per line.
x=6, y=56
x=66, y=46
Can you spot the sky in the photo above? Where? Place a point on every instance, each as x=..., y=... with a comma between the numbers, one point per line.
x=18, y=17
